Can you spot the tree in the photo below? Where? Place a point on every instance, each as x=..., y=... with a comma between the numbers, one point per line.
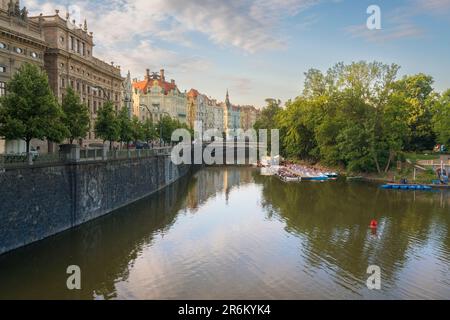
x=149, y=130
x=29, y=110
x=441, y=119
x=76, y=115
x=125, y=127
x=107, y=126
x=137, y=130
x=417, y=91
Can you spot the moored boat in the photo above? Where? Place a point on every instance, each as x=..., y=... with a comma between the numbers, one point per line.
x=393, y=186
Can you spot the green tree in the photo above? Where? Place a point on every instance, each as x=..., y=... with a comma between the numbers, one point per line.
x=76, y=115
x=137, y=130
x=149, y=130
x=107, y=125
x=441, y=119
x=29, y=110
x=125, y=127
x=417, y=91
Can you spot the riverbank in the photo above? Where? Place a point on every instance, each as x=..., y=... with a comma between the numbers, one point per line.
x=394, y=175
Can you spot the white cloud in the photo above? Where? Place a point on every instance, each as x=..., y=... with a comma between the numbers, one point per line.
x=250, y=25
x=400, y=23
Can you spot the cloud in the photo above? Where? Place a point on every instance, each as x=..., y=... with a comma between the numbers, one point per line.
x=400, y=31
x=434, y=6
x=250, y=25
x=400, y=23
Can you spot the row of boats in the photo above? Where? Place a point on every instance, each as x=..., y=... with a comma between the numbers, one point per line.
x=405, y=187
x=297, y=173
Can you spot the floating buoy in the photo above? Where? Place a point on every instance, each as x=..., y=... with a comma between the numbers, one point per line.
x=374, y=224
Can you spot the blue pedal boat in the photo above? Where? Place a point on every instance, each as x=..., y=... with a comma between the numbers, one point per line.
x=405, y=187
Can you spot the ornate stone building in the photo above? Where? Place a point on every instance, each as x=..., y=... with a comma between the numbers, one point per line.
x=154, y=98
x=21, y=40
x=197, y=108
x=69, y=61
x=231, y=116
x=128, y=94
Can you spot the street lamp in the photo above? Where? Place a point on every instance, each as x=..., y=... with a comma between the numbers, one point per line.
x=159, y=111
x=98, y=88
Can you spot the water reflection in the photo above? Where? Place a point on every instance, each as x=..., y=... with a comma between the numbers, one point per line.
x=229, y=233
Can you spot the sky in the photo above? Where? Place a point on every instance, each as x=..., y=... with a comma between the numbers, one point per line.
x=260, y=49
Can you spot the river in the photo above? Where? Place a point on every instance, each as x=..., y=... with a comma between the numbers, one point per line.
x=229, y=233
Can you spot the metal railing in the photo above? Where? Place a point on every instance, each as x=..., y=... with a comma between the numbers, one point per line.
x=433, y=162
x=85, y=155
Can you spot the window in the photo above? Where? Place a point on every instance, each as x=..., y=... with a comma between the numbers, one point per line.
x=95, y=107
x=19, y=50
x=2, y=69
x=78, y=46
x=84, y=49
x=63, y=82
x=61, y=39
x=72, y=43
x=2, y=88
x=3, y=45
x=34, y=55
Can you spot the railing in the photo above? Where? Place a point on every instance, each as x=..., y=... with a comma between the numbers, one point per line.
x=15, y=160
x=85, y=155
x=433, y=163
x=137, y=154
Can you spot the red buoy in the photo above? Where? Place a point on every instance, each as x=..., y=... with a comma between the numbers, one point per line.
x=374, y=224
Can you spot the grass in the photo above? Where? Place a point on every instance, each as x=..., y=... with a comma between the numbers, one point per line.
x=414, y=157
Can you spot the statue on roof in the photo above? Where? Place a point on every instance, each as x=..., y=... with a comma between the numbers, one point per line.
x=24, y=14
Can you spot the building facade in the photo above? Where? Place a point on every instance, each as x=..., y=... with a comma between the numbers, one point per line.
x=154, y=98
x=21, y=41
x=197, y=108
x=70, y=62
x=127, y=95
x=218, y=117
x=248, y=117
x=232, y=117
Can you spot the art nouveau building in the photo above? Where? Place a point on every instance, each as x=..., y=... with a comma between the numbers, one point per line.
x=154, y=98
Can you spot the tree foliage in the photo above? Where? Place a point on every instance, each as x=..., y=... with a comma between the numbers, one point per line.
x=360, y=116
x=29, y=110
x=125, y=127
x=76, y=116
x=107, y=126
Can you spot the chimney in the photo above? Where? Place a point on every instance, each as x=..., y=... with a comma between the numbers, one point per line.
x=147, y=75
x=161, y=73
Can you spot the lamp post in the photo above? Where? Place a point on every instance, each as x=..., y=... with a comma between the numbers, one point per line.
x=160, y=121
x=108, y=96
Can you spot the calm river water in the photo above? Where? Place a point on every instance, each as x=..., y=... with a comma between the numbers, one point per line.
x=229, y=233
